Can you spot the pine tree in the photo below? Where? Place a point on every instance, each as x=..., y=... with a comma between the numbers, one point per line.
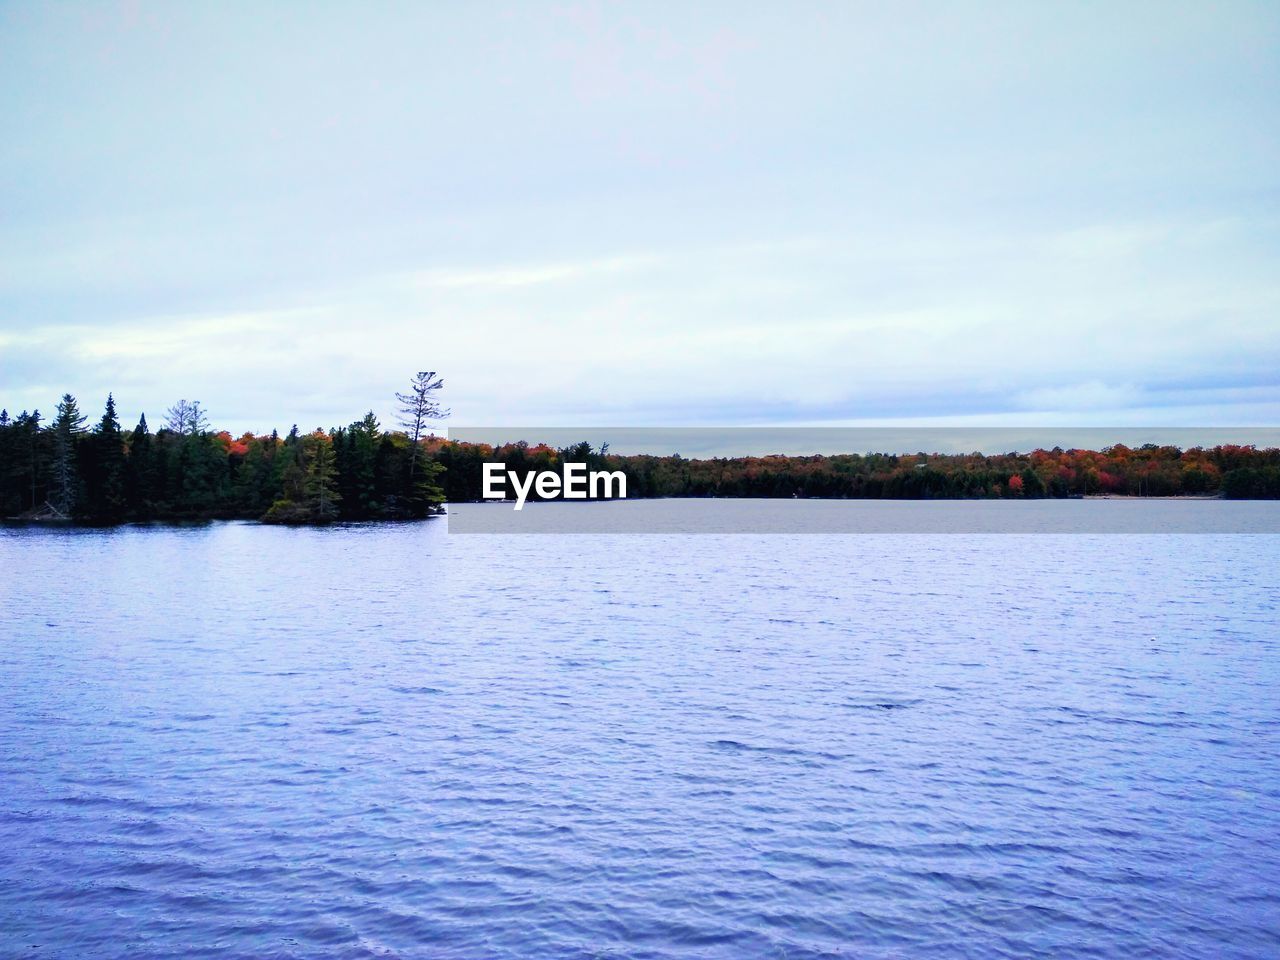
x=320, y=487
x=66, y=427
x=360, y=456
x=10, y=486
x=34, y=450
x=140, y=473
x=428, y=494
x=108, y=502
x=310, y=493
x=419, y=407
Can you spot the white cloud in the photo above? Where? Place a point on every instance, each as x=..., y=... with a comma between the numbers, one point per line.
x=1093, y=395
x=725, y=216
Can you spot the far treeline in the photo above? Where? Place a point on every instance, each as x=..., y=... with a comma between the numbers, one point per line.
x=63, y=469
x=1237, y=472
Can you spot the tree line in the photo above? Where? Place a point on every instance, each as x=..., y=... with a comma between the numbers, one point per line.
x=64, y=469
x=1242, y=472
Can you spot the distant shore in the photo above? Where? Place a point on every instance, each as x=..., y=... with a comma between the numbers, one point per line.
x=56, y=522
x=65, y=471
x=1180, y=496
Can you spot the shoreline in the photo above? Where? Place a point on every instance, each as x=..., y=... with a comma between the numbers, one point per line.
x=50, y=522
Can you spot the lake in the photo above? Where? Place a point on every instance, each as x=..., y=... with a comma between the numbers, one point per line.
x=378, y=741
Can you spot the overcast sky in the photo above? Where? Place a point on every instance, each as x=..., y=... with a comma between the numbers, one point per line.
x=738, y=213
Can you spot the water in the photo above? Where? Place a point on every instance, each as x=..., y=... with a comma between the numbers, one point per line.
x=721, y=516
x=243, y=741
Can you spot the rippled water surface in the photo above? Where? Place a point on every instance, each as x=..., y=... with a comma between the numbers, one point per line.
x=235, y=740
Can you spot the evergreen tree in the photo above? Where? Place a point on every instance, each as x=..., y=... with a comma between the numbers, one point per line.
x=202, y=474
x=359, y=451
x=32, y=441
x=10, y=439
x=427, y=494
x=106, y=482
x=310, y=493
x=1032, y=485
x=140, y=473
x=67, y=427
x=419, y=407
x=250, y=494
x=320, y=487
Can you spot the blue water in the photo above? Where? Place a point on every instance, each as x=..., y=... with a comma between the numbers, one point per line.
x=241, y=741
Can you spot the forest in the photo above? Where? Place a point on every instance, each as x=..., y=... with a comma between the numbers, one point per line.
x=1239, y=472
x=64, y=469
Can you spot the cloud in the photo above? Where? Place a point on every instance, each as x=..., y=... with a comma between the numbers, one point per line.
x=526, y=275
x=1093, y=395
x=822, y=215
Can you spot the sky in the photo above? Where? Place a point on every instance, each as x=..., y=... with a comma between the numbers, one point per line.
x=648, y=214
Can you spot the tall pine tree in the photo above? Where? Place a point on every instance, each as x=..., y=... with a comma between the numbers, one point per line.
x=67, y=427
x=140, y=475
x=106, y=488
